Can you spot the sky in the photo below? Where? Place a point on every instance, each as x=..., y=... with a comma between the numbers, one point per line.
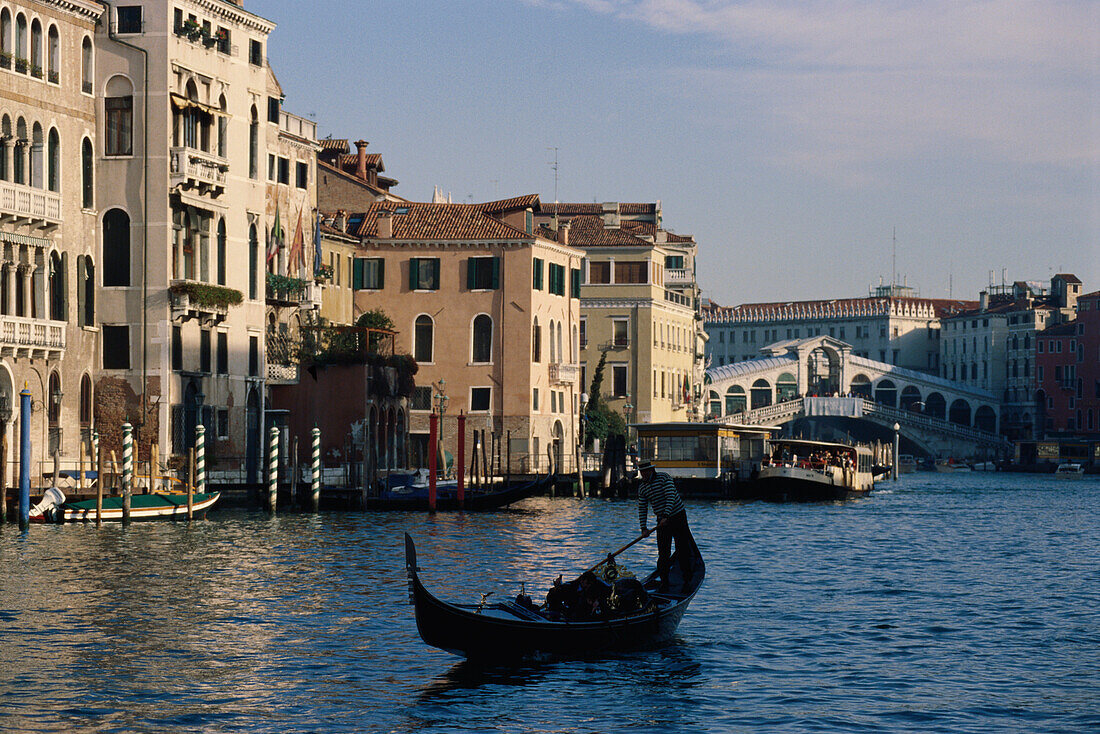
x=807, y=145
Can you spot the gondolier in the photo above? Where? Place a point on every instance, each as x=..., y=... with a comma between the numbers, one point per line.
x=659, y=491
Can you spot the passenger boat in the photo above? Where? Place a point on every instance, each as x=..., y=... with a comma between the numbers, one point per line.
x=508, y=630
x=814, y=471
x=709, y=458
x=410, y=492
x=158, y=506
x=907, y=464
x=1069, y=471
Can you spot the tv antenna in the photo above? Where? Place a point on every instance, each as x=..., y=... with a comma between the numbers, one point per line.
x=554, y=166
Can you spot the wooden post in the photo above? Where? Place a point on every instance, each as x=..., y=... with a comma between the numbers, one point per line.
x=56, y=468
x=460, y=465
x=154, y=468
x=580, y=471
x=487, y=478
x=190, y=483
x=24, y=457
x=200, y=458
x=4, y=471
x=80, y=467
x=101, y=477
x=508, y=454
x=433, y=428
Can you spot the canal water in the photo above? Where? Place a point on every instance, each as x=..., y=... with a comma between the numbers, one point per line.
x=942, y=603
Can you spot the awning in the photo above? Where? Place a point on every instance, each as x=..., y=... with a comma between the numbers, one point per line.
x=25, y=239
x=182, y=103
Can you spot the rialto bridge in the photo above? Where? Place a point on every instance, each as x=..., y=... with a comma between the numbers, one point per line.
x=939, y=416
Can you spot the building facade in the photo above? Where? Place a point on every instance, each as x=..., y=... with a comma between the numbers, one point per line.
x=1068, y=374
x=49, y=318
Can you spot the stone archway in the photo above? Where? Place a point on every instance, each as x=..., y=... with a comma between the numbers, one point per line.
x=823, y=371
x=985, y=419
x=935, y=406
x=960, y=412
x=910, y=398
x=886, y=393
x=761, y=393
x=861, y=386
x=736, y=402
x=786, y=387
x=557, y=438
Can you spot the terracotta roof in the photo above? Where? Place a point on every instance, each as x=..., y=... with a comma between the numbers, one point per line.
x=426, y=221
x=576, y=209
x=339, y=145
x=1066, y=328
x=527, y=201
x=650, y=229
x=350, y=161
x=1068, y=277
x=589, y=231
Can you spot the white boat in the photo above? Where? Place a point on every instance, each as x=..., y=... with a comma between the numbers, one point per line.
x=907, y=464
x=1069, y=471
x=984, y=466
x=814, y=471
x=950, y=465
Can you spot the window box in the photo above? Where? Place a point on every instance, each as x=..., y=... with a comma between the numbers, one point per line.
x=21, y=65
x=5, y=59
x=55, y=77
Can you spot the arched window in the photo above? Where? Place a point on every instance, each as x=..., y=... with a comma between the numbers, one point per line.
x=21, y=43
x=482, y=339
x=53, y=55
x=85, y=291
x=561, y=354
x=736, y=401
x=58, y=282
x=5, y=39
x=221, y=252
x=85, y=401
x=116, y=248
x=53, y=161
x=22, y=142
x=253, y=261
x=86, y=65
x=536, y=341
x=53, y=409
x=118, y=106
x=714, y=403
x=423, y=339
x=254, y=145
x=785, y=387
x=38, y=157
x=223, y=127
x=553, y=354
x=36, y=48
x=87, y=181
x=761, y=393
x=5, y=132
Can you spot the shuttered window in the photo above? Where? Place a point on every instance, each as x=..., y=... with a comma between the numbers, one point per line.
x=483, y=273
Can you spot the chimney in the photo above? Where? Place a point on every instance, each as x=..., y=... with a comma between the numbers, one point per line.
x=385, y=225
x=361, y=161
x=341, y=220
x=610, y=214
x=983, y=301
x=563, y=234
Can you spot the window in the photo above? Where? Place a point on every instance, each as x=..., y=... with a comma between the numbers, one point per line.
x=421, y=398
x=676, y=262
x=302, y=175
x=631, y=272
x=59, y=286
x=556, y=279
x=620, y=332
x=255, y=53
x=618, y=380
x=85, y=401
x=53, y=162
x=116, y=347
x=583, y=333
x=535, y=399
x=116, y=248
x=423, y=338
x=223, y=353
x=129, y=18
x=177, y=348
x=599, y=272
x=368, y=273
x=253, y=355
x=253, y=261
x=119, y=126
x=204, y=350
x=536, y=341
x=482, y=352
x=575, y=283
x=254, y=146
x=223, y=423
x=536, y=278
x=271, y=167
x=221, y=252
x=483, y=273
x=272, y=109
x=87, y=183
x=424, y=274
x=284, y=170
x=85, y=291
x=480, y=399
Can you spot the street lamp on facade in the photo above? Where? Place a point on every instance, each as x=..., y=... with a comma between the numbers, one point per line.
x=628, y=412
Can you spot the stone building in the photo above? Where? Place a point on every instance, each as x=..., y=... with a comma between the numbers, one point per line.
x=187, y=116
x=49, y=316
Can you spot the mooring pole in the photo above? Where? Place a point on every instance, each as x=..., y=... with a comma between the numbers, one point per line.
x=127, y=470
x=460, y=464
x=433, y=446
x=190, y=483
x=273, y=468
x=315, y=479
x=100, y=472
x=200, y=459
x=24, y=458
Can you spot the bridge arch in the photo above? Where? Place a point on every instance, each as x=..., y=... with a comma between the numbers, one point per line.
x=786, y=387
x=861, y=386
x=909, y=396
x=736, y=402
x=761, y=393
x=960, y=412
x=886, y=392
x=985, y=419
x=823, y=370
x=935, y=405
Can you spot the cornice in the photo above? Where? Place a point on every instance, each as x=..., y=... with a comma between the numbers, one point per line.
x=80, y=8
x=236, y=14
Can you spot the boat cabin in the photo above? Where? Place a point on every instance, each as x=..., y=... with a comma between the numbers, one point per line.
x=709, y=450
x=841, y=464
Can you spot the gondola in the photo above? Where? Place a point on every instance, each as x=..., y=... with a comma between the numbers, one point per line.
x=507, y=630
x=414, y=497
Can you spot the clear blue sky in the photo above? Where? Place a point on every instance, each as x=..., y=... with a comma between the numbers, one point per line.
x=789, y=136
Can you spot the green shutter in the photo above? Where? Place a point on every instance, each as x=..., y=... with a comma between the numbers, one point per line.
x=357, y=267
x=576, y=273
x=414, y=275
x=381, y=273
x=81, y=277
x=496, y=273
x=536, y=278
x=471, y=274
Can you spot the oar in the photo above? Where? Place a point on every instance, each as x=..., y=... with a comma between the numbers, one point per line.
x=643, y=536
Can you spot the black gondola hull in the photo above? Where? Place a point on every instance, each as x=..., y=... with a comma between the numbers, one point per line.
x=473, y=502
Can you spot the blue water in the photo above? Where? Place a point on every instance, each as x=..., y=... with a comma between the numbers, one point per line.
x=957, y=603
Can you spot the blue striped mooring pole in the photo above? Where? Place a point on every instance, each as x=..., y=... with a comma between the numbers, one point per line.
x=200, y=458
x=127, y=470
x=24, y=457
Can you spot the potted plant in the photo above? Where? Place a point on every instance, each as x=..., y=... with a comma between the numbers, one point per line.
x=36, y=71
x=192, y=29
x=21, y=65
x=208, y=39
x=5, y=59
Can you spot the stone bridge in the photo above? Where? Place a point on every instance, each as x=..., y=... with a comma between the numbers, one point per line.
x=939, y=416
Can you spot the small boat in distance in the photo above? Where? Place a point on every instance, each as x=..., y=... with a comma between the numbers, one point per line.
x=1069, y=471
x=951, y=465
x=510, y=630
x=815, y=471
x=410, y=492
x=907, y=464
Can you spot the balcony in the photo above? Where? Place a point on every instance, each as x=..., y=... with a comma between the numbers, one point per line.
x=24, y=337
x=207, y=303
x=21, y=204
x=282, y=374
x=564, y=374
x=194, y=168
x=678, y=276
x=618, y=342
x=680, y=298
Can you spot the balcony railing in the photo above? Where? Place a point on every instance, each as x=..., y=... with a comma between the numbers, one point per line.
x=619, y=342
x=194, y=168
x=24, y=337
x=34, y=206
x=564, y=374
x=678, y=276
x=680, y=298
x=282, y=374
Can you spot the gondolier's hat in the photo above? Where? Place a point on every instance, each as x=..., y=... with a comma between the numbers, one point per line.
x=645, y=465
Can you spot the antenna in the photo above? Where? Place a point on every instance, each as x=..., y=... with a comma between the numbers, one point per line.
x=554, y=166
x=894, y=262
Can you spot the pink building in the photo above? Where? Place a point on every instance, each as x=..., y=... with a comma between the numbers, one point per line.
x=1068, y=373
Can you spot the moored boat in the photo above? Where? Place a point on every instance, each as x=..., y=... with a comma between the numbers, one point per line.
x=815, y=471
x=158, y=506
x=512, y=630
x=1069, y=471
x=907, y=464
x=411, y=493
x=951, y=465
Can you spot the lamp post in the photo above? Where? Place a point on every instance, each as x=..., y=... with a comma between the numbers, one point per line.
x=580, y=442
x=628, y=411
x=894, y=458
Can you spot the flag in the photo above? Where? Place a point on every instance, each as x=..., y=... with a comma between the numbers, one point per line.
x=297, y=251
x=276, y=240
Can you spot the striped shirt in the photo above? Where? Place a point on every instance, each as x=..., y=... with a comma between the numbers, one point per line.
x=660, y=492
